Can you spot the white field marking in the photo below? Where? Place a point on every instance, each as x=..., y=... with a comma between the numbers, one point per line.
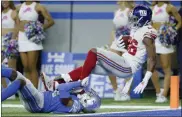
x=104, y=106
x=103, y=113
x=118, y=112
x=131, y=107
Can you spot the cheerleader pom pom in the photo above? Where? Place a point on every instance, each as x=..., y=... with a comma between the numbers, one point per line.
x=167, y=35
x=7, y=37
x=11, y=49
x=125, y=31
x=172, y=33
x=34, y=31
x=3, y=53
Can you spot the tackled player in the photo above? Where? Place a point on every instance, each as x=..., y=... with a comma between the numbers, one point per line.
x=62, y=100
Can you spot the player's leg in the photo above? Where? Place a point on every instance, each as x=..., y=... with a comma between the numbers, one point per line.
x=89, y=63
x=31, y=98
x=76, y=73
x=84, y=71
x=87, y=67
x=11, y=74
x=114, y=63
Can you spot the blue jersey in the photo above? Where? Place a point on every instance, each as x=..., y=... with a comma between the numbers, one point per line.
x=53, y=102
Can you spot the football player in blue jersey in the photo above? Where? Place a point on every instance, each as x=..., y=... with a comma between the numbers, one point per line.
x=61, y=100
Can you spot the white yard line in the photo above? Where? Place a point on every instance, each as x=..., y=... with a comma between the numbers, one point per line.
x=116, y=112
x=133, y=107
x=104, y=106
x=152, y=108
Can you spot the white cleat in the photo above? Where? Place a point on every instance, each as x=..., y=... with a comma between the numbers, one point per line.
x=161, y=99
x=125, y=97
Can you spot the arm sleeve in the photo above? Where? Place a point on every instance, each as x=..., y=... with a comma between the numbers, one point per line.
x=65, y=88
x=151, y=33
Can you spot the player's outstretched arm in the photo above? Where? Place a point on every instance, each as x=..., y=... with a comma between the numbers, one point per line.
x=151, y=62
x=151, y=52
x=65, y=88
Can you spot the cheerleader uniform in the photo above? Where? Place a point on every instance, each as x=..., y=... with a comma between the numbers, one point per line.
x=121, y=18
x=160, y=15
x=120, y=21
x=7, y=22
x=28, y=13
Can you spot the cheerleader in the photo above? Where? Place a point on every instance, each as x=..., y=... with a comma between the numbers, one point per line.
x=29, y=12
x=121, y=20
x=162, y=11
x=8, y=18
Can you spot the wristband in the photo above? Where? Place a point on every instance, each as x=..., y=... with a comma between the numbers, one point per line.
x=148, y=75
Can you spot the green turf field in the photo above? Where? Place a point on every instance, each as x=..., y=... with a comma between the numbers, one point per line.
x=108, y=105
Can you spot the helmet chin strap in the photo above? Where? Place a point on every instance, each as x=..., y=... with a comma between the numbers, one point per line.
x=139, y=21
x=146, y=23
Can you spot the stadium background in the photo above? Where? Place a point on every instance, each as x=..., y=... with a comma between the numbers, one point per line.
x=79, y=26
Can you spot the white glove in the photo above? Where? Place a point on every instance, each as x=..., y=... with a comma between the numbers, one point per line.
x=84, y=82
x=140, y=88
x=118, y=44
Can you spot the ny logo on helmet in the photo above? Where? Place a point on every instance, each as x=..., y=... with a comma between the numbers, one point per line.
x=143, y=13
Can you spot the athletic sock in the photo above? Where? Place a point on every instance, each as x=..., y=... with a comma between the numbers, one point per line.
x=75, y=74
x=89, y=64
x=10, y=90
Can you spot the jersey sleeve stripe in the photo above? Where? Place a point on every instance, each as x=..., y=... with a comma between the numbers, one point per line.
x=149, y=35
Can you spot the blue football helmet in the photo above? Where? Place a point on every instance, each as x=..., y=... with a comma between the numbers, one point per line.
x=140, y=16
x=90, y=100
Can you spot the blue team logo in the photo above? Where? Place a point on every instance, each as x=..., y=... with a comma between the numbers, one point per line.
x=143, y=12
